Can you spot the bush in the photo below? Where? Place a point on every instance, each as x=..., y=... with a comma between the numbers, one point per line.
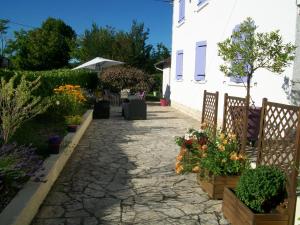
x=262, y=188
x=18, y=104
x=119, y=77
x=54, y=78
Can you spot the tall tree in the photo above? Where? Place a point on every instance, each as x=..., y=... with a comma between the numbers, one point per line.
x=3, y=28
x=43, y=48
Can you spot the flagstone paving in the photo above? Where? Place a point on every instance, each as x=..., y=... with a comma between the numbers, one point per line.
x=122, y=172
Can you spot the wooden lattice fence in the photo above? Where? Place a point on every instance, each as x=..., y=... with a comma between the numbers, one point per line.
x=235, y=118
x=279, y=142
x=210, y=111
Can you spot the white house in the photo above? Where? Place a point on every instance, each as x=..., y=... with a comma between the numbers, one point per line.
x=198, y=25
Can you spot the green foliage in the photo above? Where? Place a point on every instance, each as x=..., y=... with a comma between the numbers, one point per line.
x=247, y=51
x=262, y=188
x=130, y=47
x=222, y=157
x=73, y=120
x=54, y=78
x=157, y=82
x=119, y=77
x=44, y=48
x=18, y=104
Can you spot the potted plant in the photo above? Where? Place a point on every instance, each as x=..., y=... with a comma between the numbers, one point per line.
x=73, y=122
x=164, y=102
x=54, y=144
x=222, y=165
x=193, y=145
x=259, y=198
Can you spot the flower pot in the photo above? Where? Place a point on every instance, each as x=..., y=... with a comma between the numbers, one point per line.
x=54, y=144
x=72, y=128
x=237, y=213
x=214, y=185
x=101, y=110
x=164, y=102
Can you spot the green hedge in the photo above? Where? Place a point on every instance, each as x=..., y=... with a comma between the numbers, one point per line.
x=53, y=78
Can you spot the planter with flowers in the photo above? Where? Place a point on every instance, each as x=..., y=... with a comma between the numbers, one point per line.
x=193, y=146
x=73, y=122
x=221, y=166
x=259, y=198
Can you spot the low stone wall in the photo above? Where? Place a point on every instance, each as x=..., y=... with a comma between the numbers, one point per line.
x=22, y=209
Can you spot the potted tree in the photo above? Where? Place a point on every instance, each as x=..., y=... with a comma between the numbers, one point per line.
x=259, y=198
x=247, y=51
x=222, y=165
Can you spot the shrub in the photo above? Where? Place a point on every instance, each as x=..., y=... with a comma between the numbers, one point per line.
x=222, y=157
x=17, y=164
x=54, y=78
x=262, y=188
x=119, y=77
x=18, y=104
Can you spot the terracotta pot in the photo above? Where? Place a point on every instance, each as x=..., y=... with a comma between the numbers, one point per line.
x=72, y=128
x=237, y=213
x=164, y=102
x=54, y=144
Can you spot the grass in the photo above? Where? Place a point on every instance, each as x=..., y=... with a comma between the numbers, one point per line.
x=37, y=131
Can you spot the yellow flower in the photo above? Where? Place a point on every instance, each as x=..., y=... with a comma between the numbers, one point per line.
x=179, y=169
x=204, y=155
x=234, y=156
x=203, y=126
x=196, y=169
x=179, y=157
x=225, y=142
x=221, y=148
x=222, y=136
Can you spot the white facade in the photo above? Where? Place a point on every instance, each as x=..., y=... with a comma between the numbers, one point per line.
x=213, y=21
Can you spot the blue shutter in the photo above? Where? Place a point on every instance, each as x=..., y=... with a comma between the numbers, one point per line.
x=179, y=65
x=181, y=10
x=201, y=1
x=200, y=61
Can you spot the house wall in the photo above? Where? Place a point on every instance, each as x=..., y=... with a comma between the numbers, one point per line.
x=214, y=23
x=166, y=82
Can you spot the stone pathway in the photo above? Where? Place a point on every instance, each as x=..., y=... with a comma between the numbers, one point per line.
x=122, y=172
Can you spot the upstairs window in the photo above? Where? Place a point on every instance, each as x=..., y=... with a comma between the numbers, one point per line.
x=179, y=65
x=181, y=10
x=200, y=62
x=200, y=2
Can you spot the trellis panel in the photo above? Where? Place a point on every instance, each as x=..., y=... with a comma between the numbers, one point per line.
x=235, y=119
x=210, y=111
x=279, y=144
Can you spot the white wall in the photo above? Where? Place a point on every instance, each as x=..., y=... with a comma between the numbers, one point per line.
x=214, y=23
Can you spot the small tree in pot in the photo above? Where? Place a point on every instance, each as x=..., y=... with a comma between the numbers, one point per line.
x=247, y=50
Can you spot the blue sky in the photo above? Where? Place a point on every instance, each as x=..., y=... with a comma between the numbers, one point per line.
x=80, y=14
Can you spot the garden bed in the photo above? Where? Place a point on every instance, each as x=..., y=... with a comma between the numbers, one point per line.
x=23, y=207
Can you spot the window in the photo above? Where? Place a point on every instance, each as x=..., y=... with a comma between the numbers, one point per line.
x=200, y=2
x=200, y=61
x=179, y=65
x=238, y=79
x=181, y=10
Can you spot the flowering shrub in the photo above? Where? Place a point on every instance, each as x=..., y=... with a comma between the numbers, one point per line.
x=193, y=147
x=67, y=100
x=223, y=157
x=17, y=164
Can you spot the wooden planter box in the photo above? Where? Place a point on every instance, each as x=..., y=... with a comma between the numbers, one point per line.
x=214, y=185
x=237, y=213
